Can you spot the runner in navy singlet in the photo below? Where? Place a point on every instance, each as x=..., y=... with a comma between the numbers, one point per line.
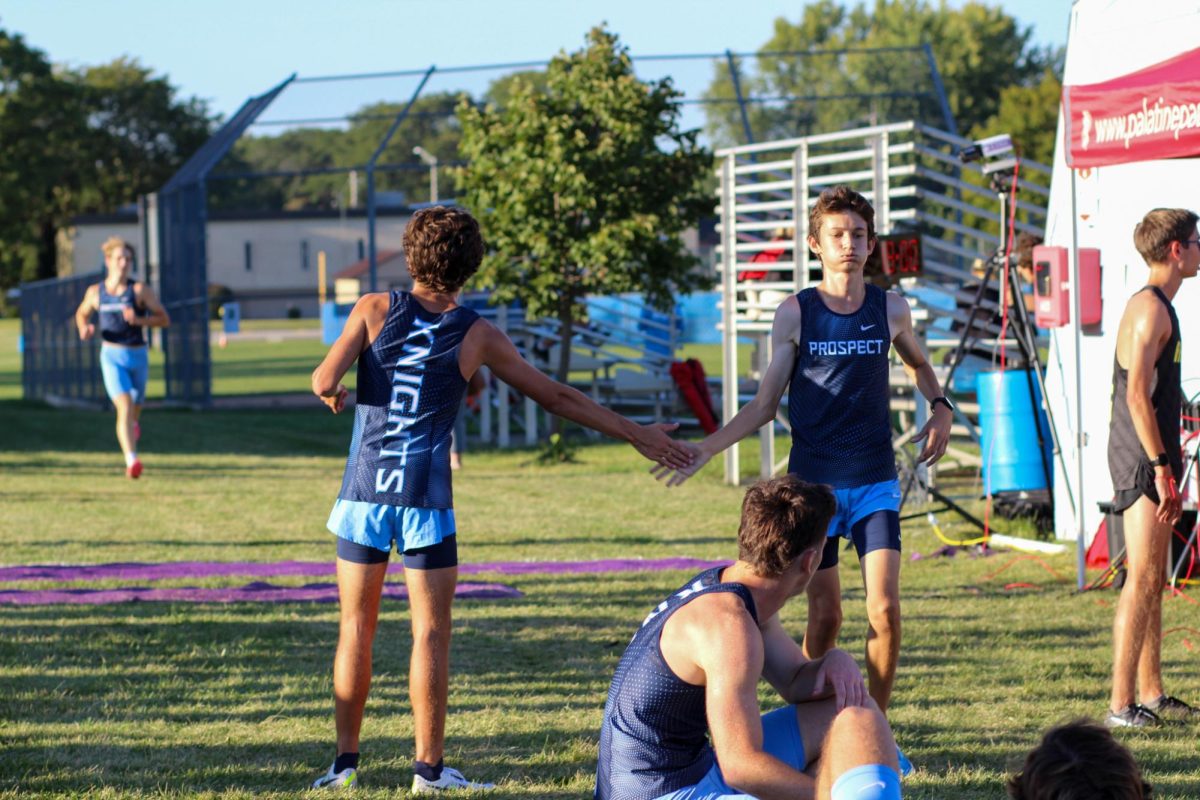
x=416, y=352
x=831, y=344
x=682, y=717
x=125, y=308
x=1145, y=462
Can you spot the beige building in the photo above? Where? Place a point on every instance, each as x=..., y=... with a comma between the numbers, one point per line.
x=266, y=262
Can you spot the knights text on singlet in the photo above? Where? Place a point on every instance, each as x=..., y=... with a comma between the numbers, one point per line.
x=113, y=327
x=654, y=736
x=838, y=403
x=409, y=390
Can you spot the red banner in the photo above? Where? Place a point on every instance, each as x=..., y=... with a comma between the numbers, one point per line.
x=1143, y=116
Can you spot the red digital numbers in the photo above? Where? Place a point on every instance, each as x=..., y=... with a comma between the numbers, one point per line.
x=901, y=254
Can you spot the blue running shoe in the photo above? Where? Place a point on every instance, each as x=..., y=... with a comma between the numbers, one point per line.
x=906, y=766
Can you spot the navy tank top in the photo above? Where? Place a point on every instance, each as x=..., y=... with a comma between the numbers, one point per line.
x=839, y=402
x=654, y=737
x=409, y=391
x=113, y=327
x=1125, y=454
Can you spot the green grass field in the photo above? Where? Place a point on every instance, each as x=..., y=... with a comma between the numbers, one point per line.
x=147, y=700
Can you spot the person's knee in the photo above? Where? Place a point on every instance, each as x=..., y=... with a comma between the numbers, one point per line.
x=862, y=730
x=432, y=627
x=883, y=612
x=825, y=614
x=358, y=625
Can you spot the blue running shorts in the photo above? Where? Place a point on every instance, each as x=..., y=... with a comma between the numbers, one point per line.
x=781, y=738
x=125, y=370
x=869, y=515
x=377, y=525
x=436, y=556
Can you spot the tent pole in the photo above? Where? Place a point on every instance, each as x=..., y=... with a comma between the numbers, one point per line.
x=1081, y=544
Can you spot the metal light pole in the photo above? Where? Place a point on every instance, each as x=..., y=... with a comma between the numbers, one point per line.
x=432, y=161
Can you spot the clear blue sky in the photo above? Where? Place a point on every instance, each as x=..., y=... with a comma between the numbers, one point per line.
x=225, y=50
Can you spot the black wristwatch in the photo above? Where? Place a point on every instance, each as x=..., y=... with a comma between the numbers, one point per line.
x=1160, y=461
x=943, y=400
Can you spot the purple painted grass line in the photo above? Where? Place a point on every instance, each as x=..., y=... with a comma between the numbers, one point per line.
x=264, y=569
x=250, y=593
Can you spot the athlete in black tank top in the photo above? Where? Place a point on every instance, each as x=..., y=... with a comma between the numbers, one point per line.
x=399, y=460
x=125, y=307
x=682, y=716
x=1145, y=462
x=831, y=343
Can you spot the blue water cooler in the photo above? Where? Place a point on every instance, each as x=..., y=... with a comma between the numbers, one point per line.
x=1009, y=422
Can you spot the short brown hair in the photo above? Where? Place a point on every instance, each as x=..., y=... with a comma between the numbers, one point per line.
x=1153, y=235
x=781, y=518
x=1079, y=761
x=116, y=243
x=443, y=247
x=837, y=200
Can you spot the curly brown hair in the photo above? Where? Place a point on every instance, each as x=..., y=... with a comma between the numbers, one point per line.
x=1153, y=235
x=1079, y=761
x=444, y=248
x=781, y=518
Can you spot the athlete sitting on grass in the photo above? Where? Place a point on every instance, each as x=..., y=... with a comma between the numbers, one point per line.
x=682, y=718
x=416, y=352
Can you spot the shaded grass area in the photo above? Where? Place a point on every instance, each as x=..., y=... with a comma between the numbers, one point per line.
x=176, y=700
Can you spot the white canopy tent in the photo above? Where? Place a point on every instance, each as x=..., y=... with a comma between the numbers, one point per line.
x=1098, y=206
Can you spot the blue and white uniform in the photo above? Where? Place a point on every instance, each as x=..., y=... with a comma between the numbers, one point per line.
x=839, y=410
x=397, y=481
x=654, y=737
x=124, y=360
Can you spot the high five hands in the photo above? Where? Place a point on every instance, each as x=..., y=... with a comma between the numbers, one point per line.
x=675, y=475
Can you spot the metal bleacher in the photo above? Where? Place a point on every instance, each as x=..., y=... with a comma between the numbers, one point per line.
x=912, y=175
x=620, y=355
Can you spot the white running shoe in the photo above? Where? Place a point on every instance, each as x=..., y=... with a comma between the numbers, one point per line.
x=451, y=779
x=346, y=779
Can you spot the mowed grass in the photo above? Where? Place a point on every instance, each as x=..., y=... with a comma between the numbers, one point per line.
x=175, y=700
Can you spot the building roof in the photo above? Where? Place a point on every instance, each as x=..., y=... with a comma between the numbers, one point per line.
x=360, y=268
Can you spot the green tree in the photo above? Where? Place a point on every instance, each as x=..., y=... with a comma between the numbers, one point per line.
x=1030, y=115
x=431, y=124
x=979, y=50
x=42, y=161
x=78, y=141
x=584, y=186
x=139, y=131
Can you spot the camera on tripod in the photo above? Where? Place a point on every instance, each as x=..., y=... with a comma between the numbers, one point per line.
x=998, y=156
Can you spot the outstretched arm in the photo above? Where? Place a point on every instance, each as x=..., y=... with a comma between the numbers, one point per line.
x=936, y=433
x=488, y=346
x=83, y=314
x=785, y=333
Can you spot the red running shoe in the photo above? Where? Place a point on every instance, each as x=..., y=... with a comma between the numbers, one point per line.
x=134, y=470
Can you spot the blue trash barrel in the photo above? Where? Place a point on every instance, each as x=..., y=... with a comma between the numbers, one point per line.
x=333, y=320
x=1009, y=421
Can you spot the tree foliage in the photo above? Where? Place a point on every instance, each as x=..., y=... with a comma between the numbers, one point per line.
x=77, y=141
x=833, y=84
x=431, y=124
x=584, y=186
